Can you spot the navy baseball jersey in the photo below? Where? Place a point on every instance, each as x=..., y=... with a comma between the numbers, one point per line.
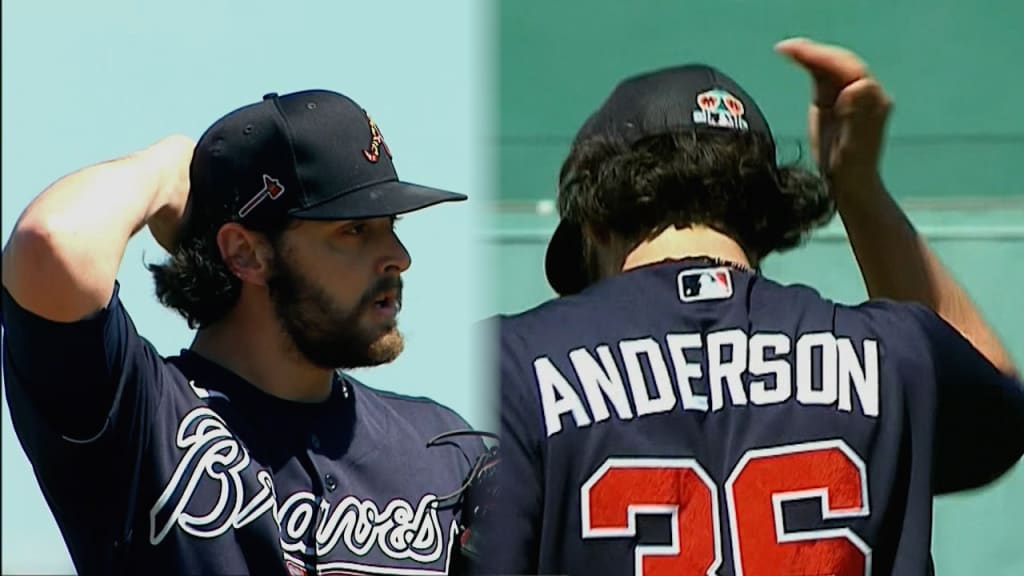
x=690, y=418
x=178, y=466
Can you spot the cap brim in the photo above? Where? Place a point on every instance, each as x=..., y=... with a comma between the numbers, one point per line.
x=377, y=201
x=564, y=263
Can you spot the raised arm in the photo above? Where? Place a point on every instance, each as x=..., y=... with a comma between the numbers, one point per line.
x=847, y=128
x=63, y=255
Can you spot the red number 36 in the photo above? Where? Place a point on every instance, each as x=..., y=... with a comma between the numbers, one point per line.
x=829, y=471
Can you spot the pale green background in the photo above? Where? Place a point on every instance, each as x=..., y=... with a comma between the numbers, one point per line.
x=88, y=81
x=954, y=157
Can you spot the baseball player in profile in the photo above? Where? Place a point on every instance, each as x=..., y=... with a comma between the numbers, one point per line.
x=676, y=412
x=250, y=452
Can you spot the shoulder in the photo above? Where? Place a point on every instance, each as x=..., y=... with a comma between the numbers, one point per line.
x=767, y=291
x=419, y=410
x=417, y=419
x=556, y=315
x=879, y=316
x=890, y=317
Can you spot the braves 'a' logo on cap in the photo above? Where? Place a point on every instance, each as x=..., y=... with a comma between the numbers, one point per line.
x=272, y=188
x=376, y=143
x=720, y=109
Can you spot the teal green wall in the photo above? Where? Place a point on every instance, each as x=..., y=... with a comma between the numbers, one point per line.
x=956, y=145
x=953, y=68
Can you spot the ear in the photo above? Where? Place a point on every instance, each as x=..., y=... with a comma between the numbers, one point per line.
x=246, y=253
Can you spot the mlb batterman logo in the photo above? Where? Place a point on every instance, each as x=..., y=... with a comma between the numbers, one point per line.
x=705, y=284
x=720, y=109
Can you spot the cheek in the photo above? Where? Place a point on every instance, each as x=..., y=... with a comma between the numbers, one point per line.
x=346, y=280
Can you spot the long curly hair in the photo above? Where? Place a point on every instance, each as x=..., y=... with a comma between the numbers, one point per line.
x=727, y=181
x=195, y=281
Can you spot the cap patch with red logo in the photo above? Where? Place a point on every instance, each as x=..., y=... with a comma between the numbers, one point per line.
x=376, y=143
x=272, y=188
x=720, y=109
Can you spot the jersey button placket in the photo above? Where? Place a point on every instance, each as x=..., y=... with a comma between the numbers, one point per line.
x=318, y=486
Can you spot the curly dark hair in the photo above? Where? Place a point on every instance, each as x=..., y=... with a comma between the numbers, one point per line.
x=727, y=181
x=195, y=281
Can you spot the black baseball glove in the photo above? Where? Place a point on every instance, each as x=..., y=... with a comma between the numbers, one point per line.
x=472, y=502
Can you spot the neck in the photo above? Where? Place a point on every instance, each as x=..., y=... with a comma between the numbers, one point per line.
x=676, y=243
x=243, y=344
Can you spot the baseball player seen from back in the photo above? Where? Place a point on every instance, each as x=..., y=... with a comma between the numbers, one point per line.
x=676, y=412
x=251, y=452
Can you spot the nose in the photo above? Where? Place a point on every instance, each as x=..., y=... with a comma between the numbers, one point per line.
x=396, y=258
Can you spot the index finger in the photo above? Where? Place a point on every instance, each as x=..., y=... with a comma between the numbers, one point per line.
x=836, y=62
x=832, y=67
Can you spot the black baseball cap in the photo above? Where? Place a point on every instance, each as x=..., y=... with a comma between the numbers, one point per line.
x=313, y=155
x=690, y=98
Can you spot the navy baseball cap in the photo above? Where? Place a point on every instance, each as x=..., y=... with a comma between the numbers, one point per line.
x=313, y=155
x=692, y=98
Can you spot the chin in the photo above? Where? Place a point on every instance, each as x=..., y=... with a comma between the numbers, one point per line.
x=388, y=347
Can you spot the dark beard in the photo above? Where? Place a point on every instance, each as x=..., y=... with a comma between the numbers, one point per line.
x=328, y=336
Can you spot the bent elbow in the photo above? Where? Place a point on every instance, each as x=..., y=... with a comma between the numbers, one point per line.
x=44, y=275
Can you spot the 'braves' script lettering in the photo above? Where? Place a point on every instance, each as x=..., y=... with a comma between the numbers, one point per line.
x=214, y=459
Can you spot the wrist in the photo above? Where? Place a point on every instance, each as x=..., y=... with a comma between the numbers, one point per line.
x=854, y=191
x=167, y=165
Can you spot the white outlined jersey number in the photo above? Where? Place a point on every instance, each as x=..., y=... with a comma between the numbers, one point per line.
x=828, y=471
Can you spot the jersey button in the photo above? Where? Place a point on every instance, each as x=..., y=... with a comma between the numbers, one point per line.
x=315, y=442
x=330, y=482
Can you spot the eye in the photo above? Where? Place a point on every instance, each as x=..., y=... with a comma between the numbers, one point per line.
x=353, y=228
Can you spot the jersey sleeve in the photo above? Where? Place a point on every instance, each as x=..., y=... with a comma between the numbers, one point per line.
x=979, y=415
x=81, y=398
x=75, y=384
x=513, y=529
